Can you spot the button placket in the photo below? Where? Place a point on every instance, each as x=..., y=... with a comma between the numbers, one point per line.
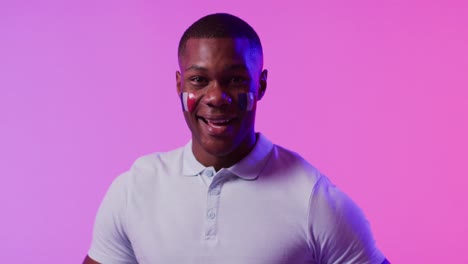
x=213, y=197
x=211, y=215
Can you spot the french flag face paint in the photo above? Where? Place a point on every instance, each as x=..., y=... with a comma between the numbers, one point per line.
x=188, y=101
x=246, y=101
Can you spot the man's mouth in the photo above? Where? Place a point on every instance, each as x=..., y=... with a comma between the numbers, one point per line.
x=217, y=126
x=216, y=121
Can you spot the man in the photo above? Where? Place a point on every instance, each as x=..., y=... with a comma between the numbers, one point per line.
x=229, y=195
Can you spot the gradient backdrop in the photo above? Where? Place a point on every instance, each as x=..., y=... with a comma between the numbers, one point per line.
x=374, y=93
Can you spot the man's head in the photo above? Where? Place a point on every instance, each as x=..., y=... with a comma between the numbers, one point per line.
x=222, y=25
x=220, y=81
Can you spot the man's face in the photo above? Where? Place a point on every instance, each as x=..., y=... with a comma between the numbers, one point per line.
x=217, y=72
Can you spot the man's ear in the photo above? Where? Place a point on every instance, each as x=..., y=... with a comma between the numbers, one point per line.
x=178, y=82
x=263, y=84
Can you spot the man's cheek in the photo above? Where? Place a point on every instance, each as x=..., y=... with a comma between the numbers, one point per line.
x=188, y=101
x=246, y=101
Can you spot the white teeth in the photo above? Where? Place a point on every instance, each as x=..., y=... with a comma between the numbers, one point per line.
x=219, y=122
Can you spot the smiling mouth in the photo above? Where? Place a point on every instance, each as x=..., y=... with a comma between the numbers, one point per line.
x=218, y=122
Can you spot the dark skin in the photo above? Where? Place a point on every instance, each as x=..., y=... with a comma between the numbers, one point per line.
x=89, y=260
x=216, y=71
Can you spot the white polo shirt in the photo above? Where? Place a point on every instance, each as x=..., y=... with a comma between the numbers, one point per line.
x=272, y=207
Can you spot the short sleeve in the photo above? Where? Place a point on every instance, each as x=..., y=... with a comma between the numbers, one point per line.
x=339, y=230
x=110, y=243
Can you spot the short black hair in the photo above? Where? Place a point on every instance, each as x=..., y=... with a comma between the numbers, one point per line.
x=221, y=25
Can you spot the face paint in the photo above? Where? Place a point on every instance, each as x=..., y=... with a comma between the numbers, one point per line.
x=188, y=101
x=246, y=101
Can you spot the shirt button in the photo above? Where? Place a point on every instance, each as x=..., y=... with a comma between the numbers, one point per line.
x=210, y=232
x=209, y=173
x=214, y=191
x=211, y=214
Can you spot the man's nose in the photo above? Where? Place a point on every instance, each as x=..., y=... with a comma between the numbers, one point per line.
x=216, y=96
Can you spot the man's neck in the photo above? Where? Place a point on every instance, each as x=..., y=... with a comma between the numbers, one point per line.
x=224, y=161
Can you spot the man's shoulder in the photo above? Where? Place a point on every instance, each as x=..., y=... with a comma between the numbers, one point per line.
x=292, y=168
x=149, y=167
x=289, y=158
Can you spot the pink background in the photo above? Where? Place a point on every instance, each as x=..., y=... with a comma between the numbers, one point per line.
x=374, y=93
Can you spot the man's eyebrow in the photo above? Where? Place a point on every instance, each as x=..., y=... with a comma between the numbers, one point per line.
x=232, y=67
x=196, y=68
x=236, y=67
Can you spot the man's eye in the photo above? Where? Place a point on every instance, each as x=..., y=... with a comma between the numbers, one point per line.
x=238, y=81
x=197, y=80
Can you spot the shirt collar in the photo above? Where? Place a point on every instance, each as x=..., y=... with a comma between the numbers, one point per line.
x=190, y=165
x=251, y=165
x=248, y=168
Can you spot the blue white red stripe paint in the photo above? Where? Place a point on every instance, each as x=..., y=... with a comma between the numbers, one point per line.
x=188, y=101
x=246, y=101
